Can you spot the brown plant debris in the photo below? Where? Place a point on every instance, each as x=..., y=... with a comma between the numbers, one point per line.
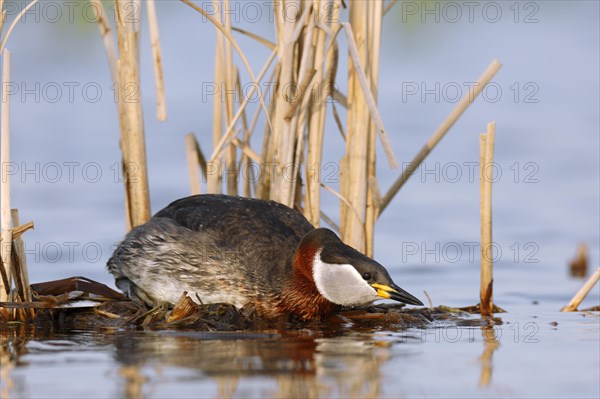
x=578, y=267
x=83, y=304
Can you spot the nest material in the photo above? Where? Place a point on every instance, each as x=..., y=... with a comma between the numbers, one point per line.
x=82, y=304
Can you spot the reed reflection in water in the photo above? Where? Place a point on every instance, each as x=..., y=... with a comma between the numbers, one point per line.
x=302, y=364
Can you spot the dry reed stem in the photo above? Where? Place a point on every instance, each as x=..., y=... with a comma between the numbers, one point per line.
x=303, y=106
x=340, y=98
x=257, y=113
x=230, y=132
x=107, y=38
x=582, y=293
x=302, y=114
x=5, y=209
x=428, y=299
x=464, y=103
x=133, y=141
x=281, y=145
x=20, y=274
x=343, y=200
x=318, y=64
x=6, y=257
x=161, y=102
x=244, y=159
x=237, y=48
x=373, y=198
x=267, y=43
x=312, y=193
x=214, y=180
x=389, y=6
x=2, y=18
x=353, y=166
x=369, y=98
x=330, y=222
x=20, y=251
x=363, y=122
x=338, y=121
x=193, y=163
x=230, y=153
x=246, y=150
x=20, y=229
x=303, y=90
x=14, y=24
x=486, y=144
x=263, y=185
x=300, y=23
x=375, y=191
x=108, y=41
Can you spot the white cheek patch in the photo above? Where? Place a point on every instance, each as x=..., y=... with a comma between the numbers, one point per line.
x=341, y=284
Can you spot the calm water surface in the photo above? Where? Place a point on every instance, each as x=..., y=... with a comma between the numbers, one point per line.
x=536, y=352
x=545, y=203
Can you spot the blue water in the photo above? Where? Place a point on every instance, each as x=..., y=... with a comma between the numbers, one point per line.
x=545, y=101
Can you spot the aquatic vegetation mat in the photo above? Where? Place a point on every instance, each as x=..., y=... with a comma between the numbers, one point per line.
x=81, y=304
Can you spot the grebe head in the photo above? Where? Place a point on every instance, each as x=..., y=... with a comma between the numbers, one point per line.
x=343, y=275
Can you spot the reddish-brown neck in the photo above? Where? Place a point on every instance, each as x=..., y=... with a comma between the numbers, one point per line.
x=302, y=266
x=300, y=296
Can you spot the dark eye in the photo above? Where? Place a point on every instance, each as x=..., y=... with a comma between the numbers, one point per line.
x=366, y=276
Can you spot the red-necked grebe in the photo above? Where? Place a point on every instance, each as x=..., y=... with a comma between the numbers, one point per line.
x=239, y=250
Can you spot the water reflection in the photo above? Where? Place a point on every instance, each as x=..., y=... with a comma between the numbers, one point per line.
x=490, y=345
x=6, y=365
x=12, y=346
x=302, y=364
x=290, y=364
x=443, y=360
x=134, y=381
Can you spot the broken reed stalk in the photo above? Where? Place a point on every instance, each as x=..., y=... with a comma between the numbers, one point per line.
x=130, y=111
x=6, y=245
x=582, y=293
x=193, y=163
x=161, y=102
x=20, y=270
x=441, y=131
x=486, y=154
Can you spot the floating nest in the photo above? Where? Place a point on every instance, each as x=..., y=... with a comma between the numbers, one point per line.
x=79, y=303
